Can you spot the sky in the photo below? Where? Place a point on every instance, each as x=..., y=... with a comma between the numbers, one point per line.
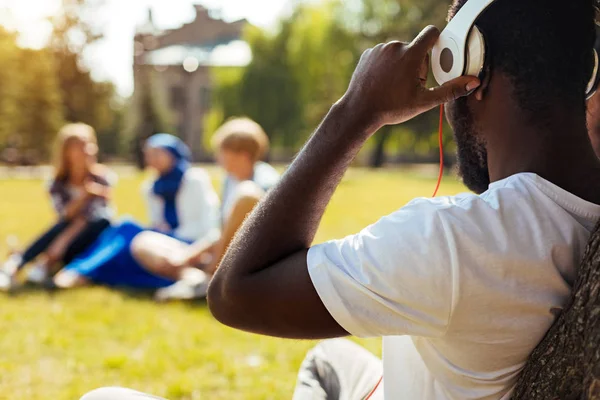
x=111, y=59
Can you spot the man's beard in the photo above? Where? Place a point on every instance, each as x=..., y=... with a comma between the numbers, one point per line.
x=471, y=149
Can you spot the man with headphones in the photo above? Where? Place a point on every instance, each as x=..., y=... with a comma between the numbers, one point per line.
x=461, y=288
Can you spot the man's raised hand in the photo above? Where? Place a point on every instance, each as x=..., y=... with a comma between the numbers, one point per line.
x=388, y=86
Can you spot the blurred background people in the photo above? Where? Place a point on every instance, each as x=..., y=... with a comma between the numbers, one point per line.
x=181, y=200
x=240, y=145
x=183, y=207
x=80, y=193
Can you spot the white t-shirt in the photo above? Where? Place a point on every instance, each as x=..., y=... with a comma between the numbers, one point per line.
x=265, y=177
x=461, y=288
x=197, y=206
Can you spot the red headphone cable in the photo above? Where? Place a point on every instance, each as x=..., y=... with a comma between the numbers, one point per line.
x=441, y=140
x=374, y=389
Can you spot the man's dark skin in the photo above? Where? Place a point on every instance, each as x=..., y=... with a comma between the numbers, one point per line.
x=263, y=285
x=593, y=120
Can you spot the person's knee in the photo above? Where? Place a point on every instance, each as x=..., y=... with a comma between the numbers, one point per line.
x=116, y=393
x=323, y=351
x=335, y=346
x=101, y=394
x=334, y=352
x=140, y=244
x=148, y=255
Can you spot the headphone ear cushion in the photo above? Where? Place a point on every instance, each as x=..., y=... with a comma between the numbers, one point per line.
x=476, y=53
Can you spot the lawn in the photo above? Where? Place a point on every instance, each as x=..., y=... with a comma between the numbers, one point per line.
x=60, y=345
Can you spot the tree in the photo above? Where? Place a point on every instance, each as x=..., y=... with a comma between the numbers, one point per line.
x=377, y=21
x=322, y=56
x=305, y=66
x=40, y=102
x=10, y=87
x=566, y=364
x=291, y=82
x=30, y=98
x=268, y=90
x=152, y=116
x=75, y=29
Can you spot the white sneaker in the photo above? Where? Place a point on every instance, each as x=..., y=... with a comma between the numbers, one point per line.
x=193, y=285
x=11, y=265
x=8, y=272
x=6, y=282
x=37, y=274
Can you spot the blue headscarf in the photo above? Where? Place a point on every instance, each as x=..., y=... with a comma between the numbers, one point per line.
x=168, y=184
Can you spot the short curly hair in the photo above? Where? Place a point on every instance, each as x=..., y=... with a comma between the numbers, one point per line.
x=242, y=135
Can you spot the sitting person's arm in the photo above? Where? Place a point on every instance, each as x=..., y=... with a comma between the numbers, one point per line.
x=68, y=209
x=263, y=284
x=99, y=187
x=213, y=248
x=248, y=196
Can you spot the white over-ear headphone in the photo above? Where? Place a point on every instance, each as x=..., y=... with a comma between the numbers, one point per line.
x=461, y=48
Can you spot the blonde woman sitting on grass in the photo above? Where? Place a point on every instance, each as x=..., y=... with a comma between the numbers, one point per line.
x=183, y=207
x=80, y=193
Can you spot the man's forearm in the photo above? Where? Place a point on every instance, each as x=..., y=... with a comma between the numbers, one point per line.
x=287, y=219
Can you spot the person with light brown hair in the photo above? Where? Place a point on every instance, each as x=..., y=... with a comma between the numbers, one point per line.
x=241, y=144
x=80, y=193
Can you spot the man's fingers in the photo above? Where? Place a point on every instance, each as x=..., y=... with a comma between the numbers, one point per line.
x=424, y=70
x=425, y=41
x=450, y=91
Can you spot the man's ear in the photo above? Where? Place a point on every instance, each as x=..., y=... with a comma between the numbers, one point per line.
x=593, y=121
x=486, y=78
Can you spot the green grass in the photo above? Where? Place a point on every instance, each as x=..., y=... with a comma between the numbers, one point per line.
x=60, y=345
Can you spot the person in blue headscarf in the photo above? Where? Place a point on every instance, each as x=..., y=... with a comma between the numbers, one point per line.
x=183, y=206
x=240, y=145
x=181, y=201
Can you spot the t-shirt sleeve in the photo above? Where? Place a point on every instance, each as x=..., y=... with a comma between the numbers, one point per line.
x=198, y=208
x=396, y=277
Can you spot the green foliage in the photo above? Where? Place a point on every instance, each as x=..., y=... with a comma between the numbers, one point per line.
x=84, y=99
x=291, y=82
x=301, y=69
x=267, y=90
x=30, y=101
x=148, y=114
x=40, y=101
x=9, y=86
x=42, y=89
x=226, y=100
x=322, y=55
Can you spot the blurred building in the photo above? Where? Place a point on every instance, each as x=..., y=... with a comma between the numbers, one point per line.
x=173, y=67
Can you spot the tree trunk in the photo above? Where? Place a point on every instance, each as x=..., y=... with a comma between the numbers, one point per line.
x=566, y=364
x=378, y=156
